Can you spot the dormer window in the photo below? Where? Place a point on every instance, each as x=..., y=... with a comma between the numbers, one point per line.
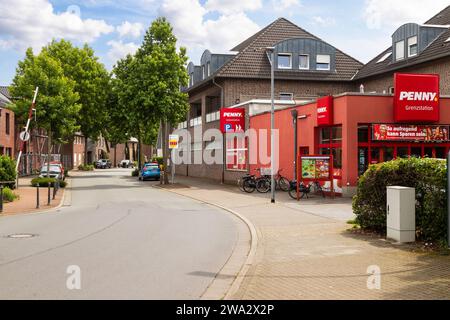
x=191, y=79
x=203, y=72
x=303, y=62
x=208, y=69
x=400, y=50
x=412, y=46
x=323, y=62
x=284, y=61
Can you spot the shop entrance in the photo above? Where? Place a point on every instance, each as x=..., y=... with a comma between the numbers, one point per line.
x=373, y=152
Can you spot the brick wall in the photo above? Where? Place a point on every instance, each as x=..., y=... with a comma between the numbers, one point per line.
x=383, y=82
x=7, y=140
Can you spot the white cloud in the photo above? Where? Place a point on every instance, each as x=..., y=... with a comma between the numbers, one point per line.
x=127, y=29
x=391, y=14
x=323, y=22
x=282, y=5
x=233, y=6
x=34, y=23
x=198, y=33
x=119, y=49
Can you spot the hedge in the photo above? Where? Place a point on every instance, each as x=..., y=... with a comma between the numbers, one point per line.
x=86, y=167
x=427, y=176
x=7, y=169
x=43, y=182
x=8, y=195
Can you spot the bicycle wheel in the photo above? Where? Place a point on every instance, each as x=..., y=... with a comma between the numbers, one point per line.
x=293, y=193
x=283, y=184
x=263, y=185
x=240, y=184
x=249, y=186
x=319, y=189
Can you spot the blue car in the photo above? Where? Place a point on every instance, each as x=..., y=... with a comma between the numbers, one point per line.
x=150, y=171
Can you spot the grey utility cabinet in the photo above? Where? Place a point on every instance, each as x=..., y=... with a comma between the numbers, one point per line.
x=401, y=214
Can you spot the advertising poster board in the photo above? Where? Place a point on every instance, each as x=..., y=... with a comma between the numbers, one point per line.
x=404, y=132
x=315, y=168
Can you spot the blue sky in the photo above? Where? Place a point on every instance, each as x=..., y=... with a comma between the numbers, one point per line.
x=361, y=28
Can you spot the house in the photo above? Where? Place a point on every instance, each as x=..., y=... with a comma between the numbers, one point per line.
x=7, y=137
x=416, y=48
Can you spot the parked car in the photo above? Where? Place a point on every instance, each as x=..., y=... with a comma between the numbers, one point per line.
x=103, y=164
x=126, y=164
x=56, y=171
x=150, y=171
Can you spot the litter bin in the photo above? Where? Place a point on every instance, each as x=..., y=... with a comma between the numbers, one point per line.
x=401, y=214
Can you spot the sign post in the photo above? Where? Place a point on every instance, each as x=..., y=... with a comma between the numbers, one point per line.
x=173, y=145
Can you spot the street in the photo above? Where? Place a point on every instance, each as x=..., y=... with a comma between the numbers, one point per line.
x=129, y=240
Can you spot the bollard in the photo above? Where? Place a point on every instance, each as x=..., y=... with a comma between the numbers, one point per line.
x=48, y=193
x=1, y=198
x=37, y=196
x=54, y=190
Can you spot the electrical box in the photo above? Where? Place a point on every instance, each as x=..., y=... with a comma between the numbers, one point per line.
x=401, y=214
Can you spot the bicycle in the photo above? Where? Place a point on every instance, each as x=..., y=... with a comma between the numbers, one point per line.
x=282, y=183
x=304, y=190
x=318, y=188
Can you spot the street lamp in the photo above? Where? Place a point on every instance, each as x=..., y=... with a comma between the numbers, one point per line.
x=271, y=50
x=294, y=114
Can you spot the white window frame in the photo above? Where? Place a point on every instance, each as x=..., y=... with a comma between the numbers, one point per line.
x=412, y=44
x=329, y=62
x=208, y=68
x=203, y=72
x=383, y=58
x=397, y=45
x=291, y=95
x=285, y=55
x=307, y=60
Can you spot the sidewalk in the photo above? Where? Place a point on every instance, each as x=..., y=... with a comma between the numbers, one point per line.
x=27, y=199
x=305, y=251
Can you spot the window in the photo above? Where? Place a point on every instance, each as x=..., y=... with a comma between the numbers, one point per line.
x=7, y=125
x=412, y=46
x=324, y=136
x=400, y=50
x=303, y=62
x=236, y=153
x=286, y=96
x=203, y=72
x=323, y=62
x=208, y=69
x=363, y=134
x=391, y=90
x=191, y=79
x=384, y=57
x=284, y=61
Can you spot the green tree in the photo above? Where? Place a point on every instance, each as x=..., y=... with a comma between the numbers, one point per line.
x=149, y=83
x=91, y=83
x=57, y=103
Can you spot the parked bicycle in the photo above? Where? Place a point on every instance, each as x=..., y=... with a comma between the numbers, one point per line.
x=305, y=190
x=282, y=183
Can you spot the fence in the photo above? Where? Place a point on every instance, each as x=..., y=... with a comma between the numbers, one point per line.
x=31, y=163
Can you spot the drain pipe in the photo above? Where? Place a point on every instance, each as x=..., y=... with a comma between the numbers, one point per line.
x=222, y=180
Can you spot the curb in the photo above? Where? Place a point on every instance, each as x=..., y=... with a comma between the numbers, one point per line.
x=251, y=253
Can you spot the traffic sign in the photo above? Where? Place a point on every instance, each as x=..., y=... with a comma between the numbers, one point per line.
x=24, y=136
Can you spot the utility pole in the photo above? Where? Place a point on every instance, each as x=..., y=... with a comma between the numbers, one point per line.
x=271, y=50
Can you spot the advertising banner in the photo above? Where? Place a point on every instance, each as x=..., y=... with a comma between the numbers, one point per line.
x=400, y=132
x=325, y=111
x=416, y=97
x=316, y=168
x=173, y=141
x=232, y=120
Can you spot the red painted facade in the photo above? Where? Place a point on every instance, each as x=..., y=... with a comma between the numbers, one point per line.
x=350, y=139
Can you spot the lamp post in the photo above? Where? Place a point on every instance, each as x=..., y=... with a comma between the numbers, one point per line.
x=294, y=114
x=271, y=51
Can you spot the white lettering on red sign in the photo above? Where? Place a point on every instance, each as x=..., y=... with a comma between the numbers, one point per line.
x=418, y=96
x=232, y=114
x=322, y=110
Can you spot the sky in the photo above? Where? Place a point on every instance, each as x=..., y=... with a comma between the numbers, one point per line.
x=360, y=28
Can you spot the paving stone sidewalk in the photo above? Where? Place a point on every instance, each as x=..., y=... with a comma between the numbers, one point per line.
x=305, y=251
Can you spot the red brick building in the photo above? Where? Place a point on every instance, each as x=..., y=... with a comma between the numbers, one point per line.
x=7, y=136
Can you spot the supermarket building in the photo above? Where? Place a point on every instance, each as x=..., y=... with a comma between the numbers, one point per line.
x=306, y=69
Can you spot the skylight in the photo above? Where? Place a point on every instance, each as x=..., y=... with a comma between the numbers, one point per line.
x=448, y=40
x=383, y=58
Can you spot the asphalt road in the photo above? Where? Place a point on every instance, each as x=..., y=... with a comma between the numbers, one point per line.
x=129, y=240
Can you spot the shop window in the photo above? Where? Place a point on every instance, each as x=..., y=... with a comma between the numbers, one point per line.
x=284, y=61
x=440, y=153
x=336, y=134
x=416, y=152
x=388, y=154
x=325, y=135
x=236, y=153
x=402, y=152
x=337, y=158
x=428, y=152
x=304, y=151
x=363, y=134
x=374, y=155
x=362, y=160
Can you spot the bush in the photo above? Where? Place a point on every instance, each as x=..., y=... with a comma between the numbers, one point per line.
x=158, y=160
x=86, y=167
x=427, y=176
x=7, y=169
x=135, y=173
x=43, y=182
x=8, y=195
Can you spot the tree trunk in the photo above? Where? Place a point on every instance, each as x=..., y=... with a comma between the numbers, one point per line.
x=85, y=150
x=115, y=155
x=165, y=150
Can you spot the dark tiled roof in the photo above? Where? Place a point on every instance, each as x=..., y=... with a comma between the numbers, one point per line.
x=4, y=90
x=252, y=61
x=436, y=50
